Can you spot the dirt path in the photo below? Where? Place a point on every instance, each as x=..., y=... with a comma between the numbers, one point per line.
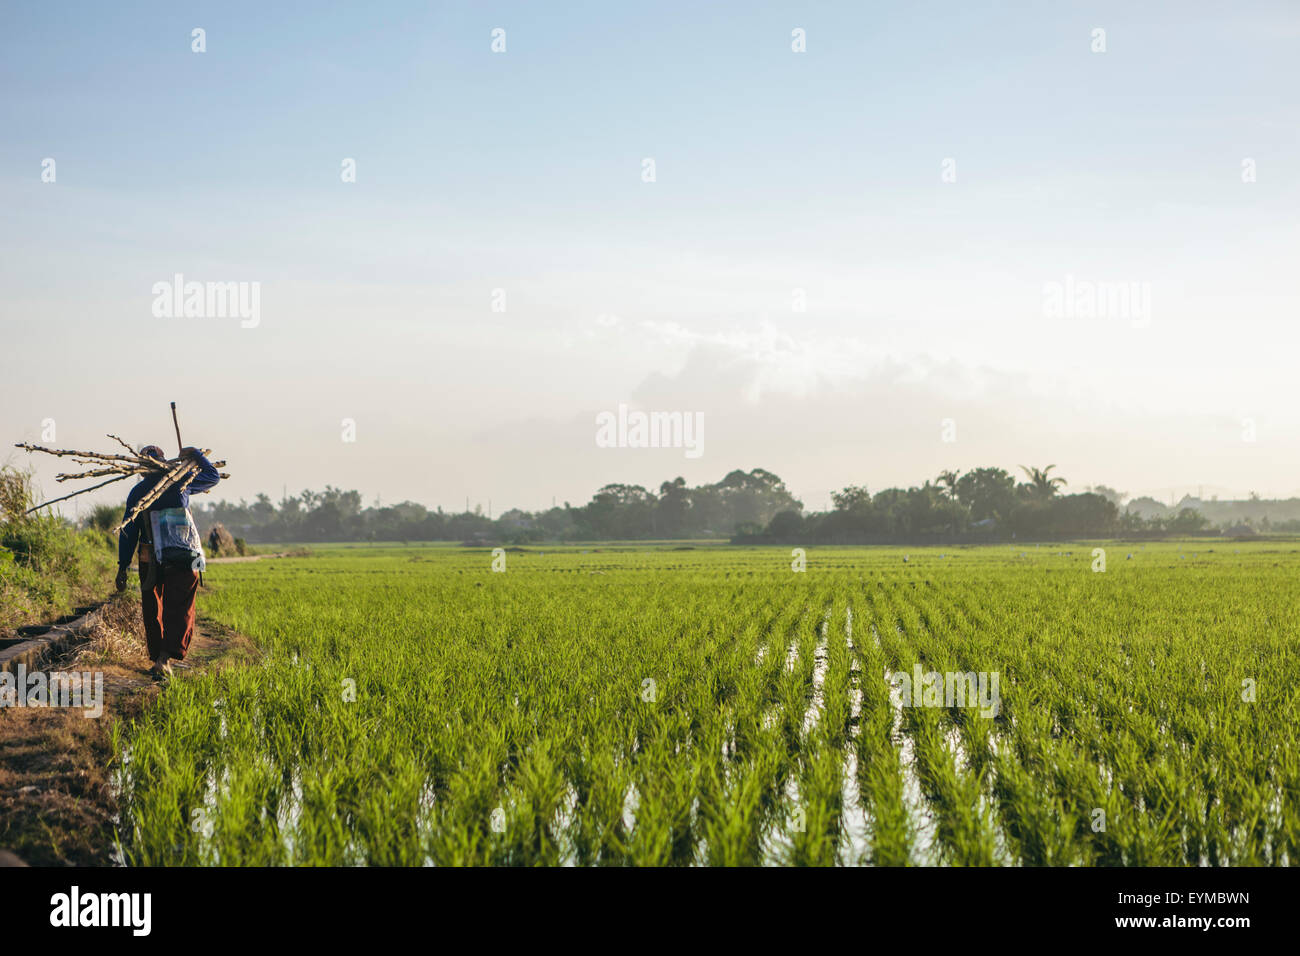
x=248, y=557
x=56, y=801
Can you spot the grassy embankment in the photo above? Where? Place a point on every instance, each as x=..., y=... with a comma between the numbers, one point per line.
x=48, y=567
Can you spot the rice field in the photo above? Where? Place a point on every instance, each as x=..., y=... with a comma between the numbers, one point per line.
x=712, y=706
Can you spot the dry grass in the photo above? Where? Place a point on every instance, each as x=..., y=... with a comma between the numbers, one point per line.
x=221, y=543
x=17, y=493
x=117, y=637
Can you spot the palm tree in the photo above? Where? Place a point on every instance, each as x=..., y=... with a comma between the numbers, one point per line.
x=947, y=480
x=1040, y=483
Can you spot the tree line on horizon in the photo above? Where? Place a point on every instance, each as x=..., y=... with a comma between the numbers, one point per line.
x=984, y=504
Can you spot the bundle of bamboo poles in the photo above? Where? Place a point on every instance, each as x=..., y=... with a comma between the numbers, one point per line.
x=178, y=472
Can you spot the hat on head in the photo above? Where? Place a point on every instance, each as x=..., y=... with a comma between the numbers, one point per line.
x=153, y=451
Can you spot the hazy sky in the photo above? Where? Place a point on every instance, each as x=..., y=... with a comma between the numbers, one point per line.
x=775, y=171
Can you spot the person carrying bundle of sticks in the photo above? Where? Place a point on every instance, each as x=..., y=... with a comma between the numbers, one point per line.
x=170, y=552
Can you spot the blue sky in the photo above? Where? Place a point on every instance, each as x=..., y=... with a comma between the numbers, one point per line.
x=775, y=171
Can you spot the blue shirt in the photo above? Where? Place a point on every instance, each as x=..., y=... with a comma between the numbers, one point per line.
x=174, y=497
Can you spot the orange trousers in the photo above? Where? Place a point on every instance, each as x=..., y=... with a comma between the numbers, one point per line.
x=168, y=610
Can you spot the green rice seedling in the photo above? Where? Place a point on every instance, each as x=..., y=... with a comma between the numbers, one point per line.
x=622, y=707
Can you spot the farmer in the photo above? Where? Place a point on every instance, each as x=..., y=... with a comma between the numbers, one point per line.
x=171, y=557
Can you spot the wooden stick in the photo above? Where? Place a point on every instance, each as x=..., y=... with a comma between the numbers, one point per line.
x=166, y=481
x=44, y=504
x=179, y=446
x=61, y=452
x=215, y=464
x=156, y=491
x=181, y=479
x=135, y=454
x=183, y=472
x=97, y=473
x=125, y=465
